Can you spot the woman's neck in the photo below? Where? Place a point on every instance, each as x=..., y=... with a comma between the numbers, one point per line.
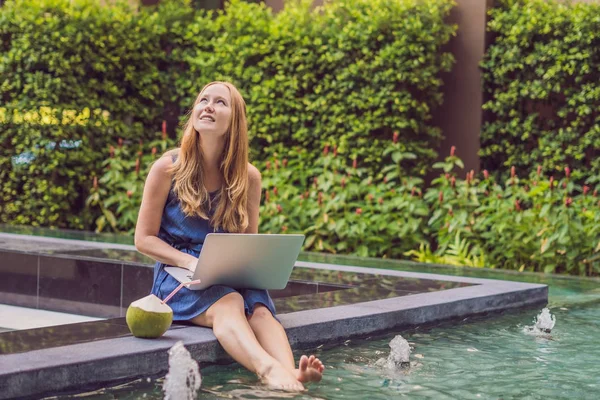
x=211, y=160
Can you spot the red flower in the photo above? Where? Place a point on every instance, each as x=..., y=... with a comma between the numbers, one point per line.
x=111, y=151
x=568, y=201
x=137, y=166
x=595, y=193
x=120, y=141
x=453, y=182
x=95, y=184
x=517, y=205
x=320, y=198
x=164, y=130
x=275, y=191
x=284, y=228
x=512, y=171
x=441, y=197
x=385, y=179
x=354, y=163
x=450, y=212
x=359, y=211
x=370, y=197
x=586, y=189
x=539, y=170
x=567, y=172
x=486, y=174
x=343, y=183
x=412, y=191
x=279, y=209
x=326, y=150
x=129, y=194
x=452, y=151
x=285, y=162
x=395, y=137
x=380, y=200
x=154, y=151
x=267, y=195
x=551, y=182
x=268, y=165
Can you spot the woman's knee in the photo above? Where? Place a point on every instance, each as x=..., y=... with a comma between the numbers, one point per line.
x=260, y=314
x=228, y=306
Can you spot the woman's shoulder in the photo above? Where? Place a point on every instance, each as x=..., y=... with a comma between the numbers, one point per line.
x=164, y=165
x=253, y=174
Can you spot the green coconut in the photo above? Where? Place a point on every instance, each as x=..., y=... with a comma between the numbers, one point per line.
x=148, y=317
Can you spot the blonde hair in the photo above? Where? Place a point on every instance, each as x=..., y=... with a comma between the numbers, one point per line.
x=231, y=213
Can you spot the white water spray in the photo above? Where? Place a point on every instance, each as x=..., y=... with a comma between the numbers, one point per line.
x=545, y=321
x=399, y=356
x=183, y=379
x=543, y=324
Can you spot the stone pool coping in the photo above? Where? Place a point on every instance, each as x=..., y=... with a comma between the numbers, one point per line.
x=92, y=365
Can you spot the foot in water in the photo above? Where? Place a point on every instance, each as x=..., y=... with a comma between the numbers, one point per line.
x=310, y=369
x=278, y=378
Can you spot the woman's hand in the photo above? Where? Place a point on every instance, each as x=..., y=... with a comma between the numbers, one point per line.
x=190, y=263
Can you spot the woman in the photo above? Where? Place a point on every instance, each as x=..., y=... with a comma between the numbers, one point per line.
x=205, y=186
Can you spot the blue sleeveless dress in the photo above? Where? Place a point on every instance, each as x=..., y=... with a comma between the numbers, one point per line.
x=187, y=234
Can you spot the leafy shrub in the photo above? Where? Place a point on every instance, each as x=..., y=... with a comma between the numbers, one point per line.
x=341, y=208
x=76, y=75
x=347, y=74
x=541, y=78
x=534, y=223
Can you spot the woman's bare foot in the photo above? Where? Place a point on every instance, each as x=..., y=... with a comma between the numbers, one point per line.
x=310, y=369
x=278, y=378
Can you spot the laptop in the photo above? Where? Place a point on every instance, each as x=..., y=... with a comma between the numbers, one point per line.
x=243, y=260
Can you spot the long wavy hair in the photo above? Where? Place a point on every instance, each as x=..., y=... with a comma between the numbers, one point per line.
x=231, y=213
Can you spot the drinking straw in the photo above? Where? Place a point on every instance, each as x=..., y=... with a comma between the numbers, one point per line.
x=178, y=288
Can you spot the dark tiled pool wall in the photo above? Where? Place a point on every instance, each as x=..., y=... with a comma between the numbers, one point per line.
x=87, y=287
x=82, y=282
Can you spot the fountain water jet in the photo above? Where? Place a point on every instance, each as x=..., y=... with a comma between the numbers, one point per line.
x=399, y=356
x=543, y=324
x=545, y=321
x=183, y=379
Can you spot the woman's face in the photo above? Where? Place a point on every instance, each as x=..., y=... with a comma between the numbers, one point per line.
x=212, y=114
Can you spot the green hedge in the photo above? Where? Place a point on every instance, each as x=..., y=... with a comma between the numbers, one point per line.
x=77, y=76
x=541, y=81
x=349, y=74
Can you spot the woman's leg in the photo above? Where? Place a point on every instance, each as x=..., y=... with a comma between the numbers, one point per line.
x=272, y=337
x=230, y=326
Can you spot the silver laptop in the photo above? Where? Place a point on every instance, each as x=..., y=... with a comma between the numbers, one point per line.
x=243, y=260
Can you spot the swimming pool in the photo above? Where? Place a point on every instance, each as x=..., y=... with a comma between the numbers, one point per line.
x=479, y=357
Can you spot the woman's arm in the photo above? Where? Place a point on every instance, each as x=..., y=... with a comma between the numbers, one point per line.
x=254, y=190
x=156, y=191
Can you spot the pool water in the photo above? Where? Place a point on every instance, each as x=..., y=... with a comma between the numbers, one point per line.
x=487, y=357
